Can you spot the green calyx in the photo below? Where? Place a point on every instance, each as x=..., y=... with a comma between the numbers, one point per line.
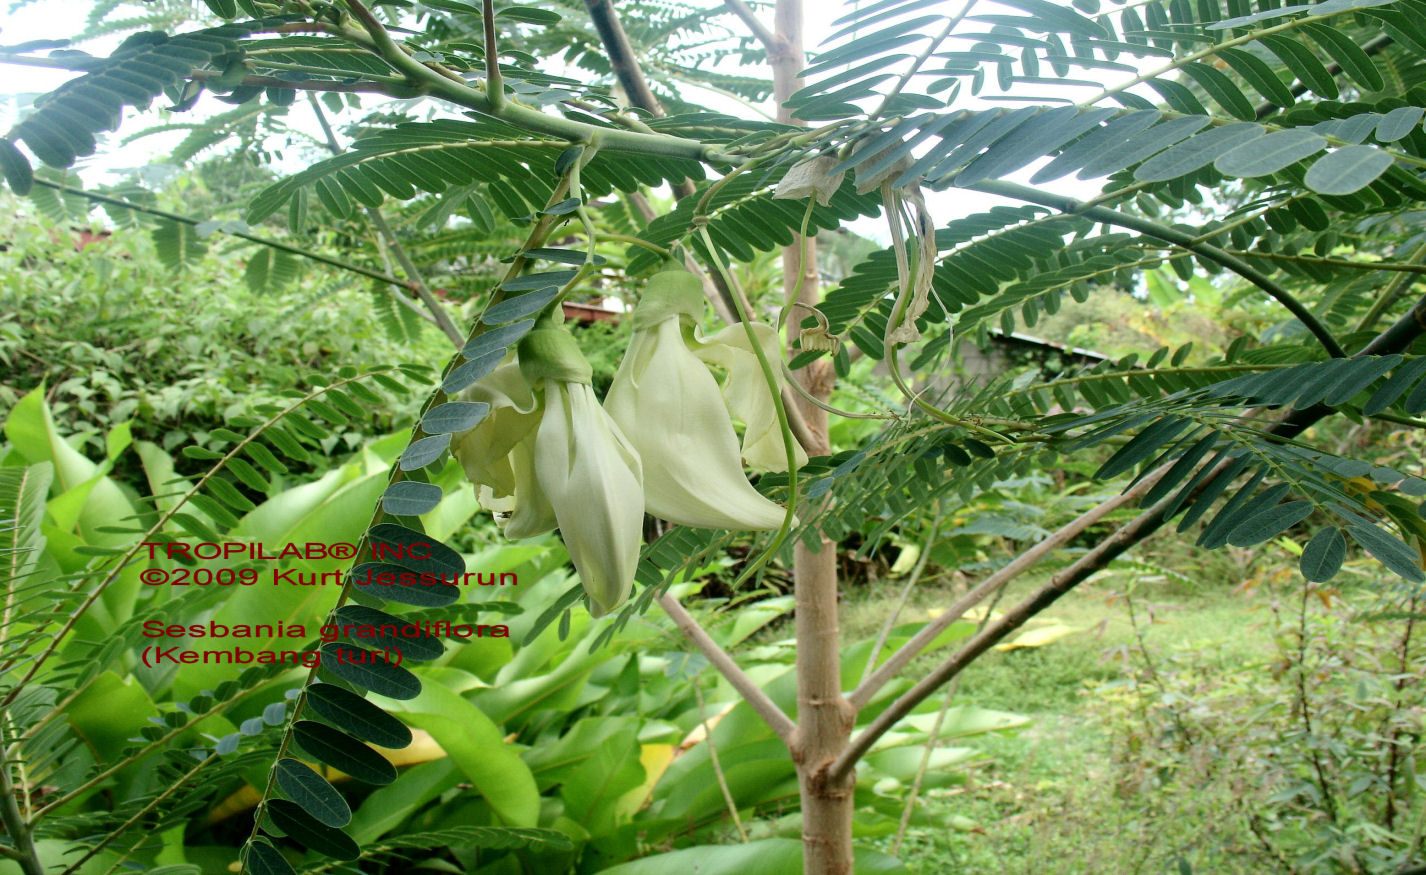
x=552, y=354
x=671, y=292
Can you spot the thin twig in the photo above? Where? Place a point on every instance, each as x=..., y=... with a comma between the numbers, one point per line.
x=911, y=649
x=713, y=758
x=758, y=700
x=415, y=281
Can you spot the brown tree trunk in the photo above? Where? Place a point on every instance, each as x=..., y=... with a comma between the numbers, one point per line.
x=824, y=717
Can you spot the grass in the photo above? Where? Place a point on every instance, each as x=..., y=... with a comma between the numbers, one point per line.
x=1053, y=798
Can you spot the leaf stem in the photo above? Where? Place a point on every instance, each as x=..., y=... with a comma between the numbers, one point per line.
x=265, y=241
x=1178, y=238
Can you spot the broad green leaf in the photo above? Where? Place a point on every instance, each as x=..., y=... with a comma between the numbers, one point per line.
x=1211, y=489
x=370, y=670
x=496, y=339
x=379, y=629
x=404, y=586
x=454, y=417
x=1115, y=133
x=1142, y=145
x=312, y=792
x=1197, y=151
x=1323, y=556
x=307, y=831
x=16, y=168
x=1269, y=523
x=1398, y=123
x=1052, y=130
x=1302, y=63
x=1389, y=550
x=466, y=374
x=592, y=790
x=520, y=306
x=342, y=752
x=1349, y=56
x=358, y=716
x=414, y=550
x=424, y=451
x=529, y=15
x=1142, y=446
x=478, y=748
x=1268, y=155
x=409, y=498
x=1222, y=89
x=1256, y=72
x=1347, y=169
x=263, y=859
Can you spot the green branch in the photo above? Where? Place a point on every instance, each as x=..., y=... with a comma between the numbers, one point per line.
x=448, y=85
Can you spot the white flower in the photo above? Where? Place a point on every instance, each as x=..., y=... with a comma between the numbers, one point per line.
x=746, y=393
x=669, y=405
x=484, y=451
x=586, y=469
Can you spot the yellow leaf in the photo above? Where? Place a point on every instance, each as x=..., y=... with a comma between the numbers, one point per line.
x=1038, y=637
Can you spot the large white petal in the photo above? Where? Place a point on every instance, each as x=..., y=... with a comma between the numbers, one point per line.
x=532, y=514
x=484, y=451
x=746, y=393
x=593, y=479
x=668, y=404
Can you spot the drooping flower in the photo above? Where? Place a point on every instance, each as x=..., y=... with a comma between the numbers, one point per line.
x=586, y=469
x=746, y=393
x=669, y=405
x=497, y=454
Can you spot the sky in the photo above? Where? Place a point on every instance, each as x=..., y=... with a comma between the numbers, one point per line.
x=51, y=19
